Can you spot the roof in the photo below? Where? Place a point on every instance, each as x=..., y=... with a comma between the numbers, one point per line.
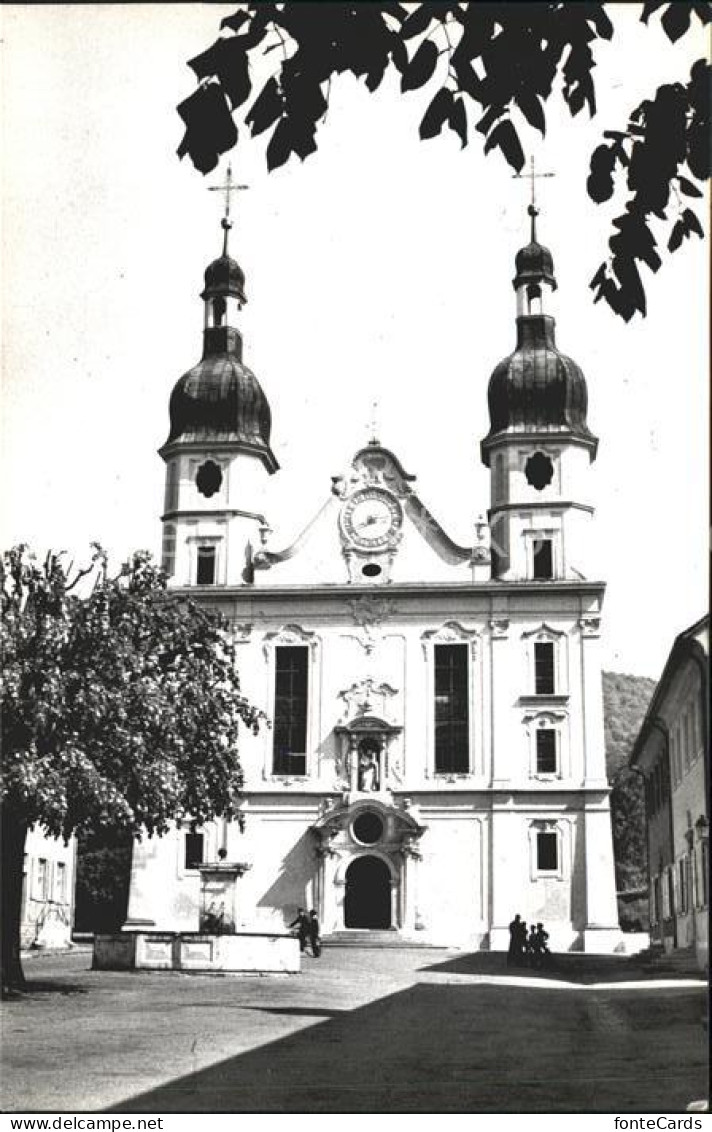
x=685, y=647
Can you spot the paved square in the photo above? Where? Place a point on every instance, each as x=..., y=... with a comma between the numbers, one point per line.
x=357, y=1031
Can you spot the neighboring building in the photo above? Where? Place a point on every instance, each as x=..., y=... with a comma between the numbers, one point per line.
x=436, y=760
x=672, y=753
x=48, y=877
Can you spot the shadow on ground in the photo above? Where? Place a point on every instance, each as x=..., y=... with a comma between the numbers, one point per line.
x=42, y=987
x=458, y=1048
x=571, y=967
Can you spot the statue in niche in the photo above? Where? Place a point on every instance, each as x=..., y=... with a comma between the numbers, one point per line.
x=368, y=769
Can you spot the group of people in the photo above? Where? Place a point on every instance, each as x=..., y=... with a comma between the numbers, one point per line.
x=307, y=929
x=527, y=946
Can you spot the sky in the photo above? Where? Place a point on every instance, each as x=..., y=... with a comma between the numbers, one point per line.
x=378, y=269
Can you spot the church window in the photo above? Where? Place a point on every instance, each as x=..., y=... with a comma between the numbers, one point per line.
x=368, y=828
x=546, y=750
x=194, y=848
x=208, y=478
x=290, y=709
x=452, y=722
x=206, y=565
x=544, y=683
x=539, y=470
x=543, y=558
x=547, y=852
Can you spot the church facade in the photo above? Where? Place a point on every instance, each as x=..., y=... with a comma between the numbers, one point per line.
x=435, y=759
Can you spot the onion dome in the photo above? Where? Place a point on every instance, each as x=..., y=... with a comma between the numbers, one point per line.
x=536, y=389
x=221, y=401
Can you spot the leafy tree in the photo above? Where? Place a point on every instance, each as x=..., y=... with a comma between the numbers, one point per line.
x=493, y=68
x=121, y=711
x=625, y=702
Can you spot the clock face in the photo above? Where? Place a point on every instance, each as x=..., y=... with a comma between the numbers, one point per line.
x=371, y=519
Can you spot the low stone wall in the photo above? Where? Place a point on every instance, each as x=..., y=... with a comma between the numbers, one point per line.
x=192, y=951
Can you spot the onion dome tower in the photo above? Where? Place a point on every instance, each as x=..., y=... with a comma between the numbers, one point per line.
x=539, y=446
x=217, y=454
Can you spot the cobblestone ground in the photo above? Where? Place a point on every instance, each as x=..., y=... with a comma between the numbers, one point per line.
x=358, y=1031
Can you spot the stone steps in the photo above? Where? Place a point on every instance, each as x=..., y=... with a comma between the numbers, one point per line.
x=375, y=938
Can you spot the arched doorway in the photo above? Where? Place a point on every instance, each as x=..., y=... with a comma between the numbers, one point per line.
x=367, y=902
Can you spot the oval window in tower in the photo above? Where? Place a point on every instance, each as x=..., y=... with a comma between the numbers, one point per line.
x=209, y=478
x=539, y=470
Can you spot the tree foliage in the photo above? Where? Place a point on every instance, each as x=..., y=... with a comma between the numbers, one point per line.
x=121, y=708
x=625, y=702
x=493, y=68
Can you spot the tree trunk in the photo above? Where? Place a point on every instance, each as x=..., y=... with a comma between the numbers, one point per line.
x=14, y=832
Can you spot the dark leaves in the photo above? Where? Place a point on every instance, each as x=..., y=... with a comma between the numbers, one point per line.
x=437, y=114
x=458, y=120
x=600, y=179
x=417, y=22
x=421, y=67
x=266, y=108
x=505, y=137
x=688, y=188
x=210, y=129
x=235, y=21
x=683, y=228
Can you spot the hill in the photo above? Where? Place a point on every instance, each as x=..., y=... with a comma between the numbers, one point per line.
x=625, y=702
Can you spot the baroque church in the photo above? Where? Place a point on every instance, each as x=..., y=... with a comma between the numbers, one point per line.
x=435, y=760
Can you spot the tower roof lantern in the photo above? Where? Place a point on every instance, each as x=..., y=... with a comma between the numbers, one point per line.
x=534, y=263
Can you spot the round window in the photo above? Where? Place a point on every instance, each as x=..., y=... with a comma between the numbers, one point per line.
x=371, y=570
x=368, y=828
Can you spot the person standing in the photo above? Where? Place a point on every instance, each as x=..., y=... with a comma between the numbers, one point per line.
x=517, y=940
x=314, y=938
x=301, y=923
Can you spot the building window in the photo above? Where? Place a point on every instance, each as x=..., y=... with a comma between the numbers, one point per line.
x=657, y=904
x=206, y=566
x=546, y=762
x=543, y=558
x=452, y=722
x=194, y=846
x=704, y=871
x=544, y=683
x=290, y=709
x=547, y=852
x=42, y=877
x=60, y=882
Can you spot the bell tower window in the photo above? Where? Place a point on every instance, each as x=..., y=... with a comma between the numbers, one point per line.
x=543, y=559
x=539, y=470
x=206, y=566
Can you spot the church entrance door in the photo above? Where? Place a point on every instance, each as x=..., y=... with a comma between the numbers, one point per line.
x=368, y=894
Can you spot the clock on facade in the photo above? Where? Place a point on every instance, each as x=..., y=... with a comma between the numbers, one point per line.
x=371, y=519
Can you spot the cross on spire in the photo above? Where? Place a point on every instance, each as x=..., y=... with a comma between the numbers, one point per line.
x=373, y=424
x=532, y=175
x=228, y=188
